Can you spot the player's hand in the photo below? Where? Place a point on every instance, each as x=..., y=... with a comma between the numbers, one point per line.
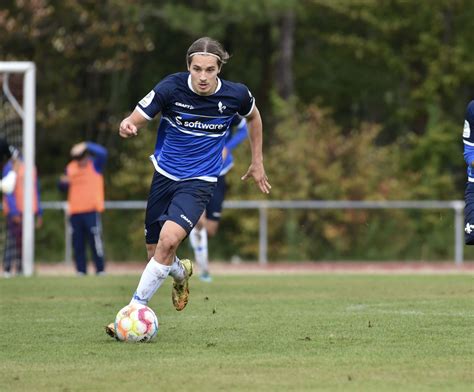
x=127, y=129
x=16, y=219
x=78, y=149
x=257, y=171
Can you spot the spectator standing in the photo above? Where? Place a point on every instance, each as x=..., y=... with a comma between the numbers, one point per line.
x=13, y=174
x=84, y=182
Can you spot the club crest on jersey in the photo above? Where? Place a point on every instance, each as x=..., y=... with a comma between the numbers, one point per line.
x=469, y=228
x=221, y=107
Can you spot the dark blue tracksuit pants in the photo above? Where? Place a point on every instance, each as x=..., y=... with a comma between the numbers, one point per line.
x=87, y=228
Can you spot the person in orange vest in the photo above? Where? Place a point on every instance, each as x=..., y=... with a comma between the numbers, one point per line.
x=13, y=172
x=84, y=182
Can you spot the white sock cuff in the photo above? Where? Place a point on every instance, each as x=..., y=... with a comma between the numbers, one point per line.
x=194, y=238
x=158, y=269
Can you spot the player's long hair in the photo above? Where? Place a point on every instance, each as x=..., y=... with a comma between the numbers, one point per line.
x=208, y=45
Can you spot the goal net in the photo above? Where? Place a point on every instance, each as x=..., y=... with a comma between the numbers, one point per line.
x=17, y=128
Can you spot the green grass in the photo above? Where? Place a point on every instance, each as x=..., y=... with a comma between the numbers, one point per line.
x=243, y=333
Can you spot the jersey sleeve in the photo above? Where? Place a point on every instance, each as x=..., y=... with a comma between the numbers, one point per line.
x=468, y=134
x=157, y=99
x=247, y=101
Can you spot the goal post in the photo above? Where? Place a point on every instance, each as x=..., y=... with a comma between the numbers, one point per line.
x=26, y=111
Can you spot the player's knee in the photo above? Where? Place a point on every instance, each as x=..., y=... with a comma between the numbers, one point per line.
x=212, y=231
x=212, y=226
x=201, y=222
x=168, y=242
x=199, y=225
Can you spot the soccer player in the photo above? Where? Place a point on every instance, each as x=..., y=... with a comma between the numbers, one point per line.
x=209, y=222
x=197, y=108
x=468, y=140
x=13, y=172
x=84, y=182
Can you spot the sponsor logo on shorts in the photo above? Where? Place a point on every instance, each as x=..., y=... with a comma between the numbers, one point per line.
x=185, y=218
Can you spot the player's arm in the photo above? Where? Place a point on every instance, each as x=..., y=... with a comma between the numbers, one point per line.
x=239, y=135
x=100, y=155
x=256, y=169
x=130, y=125
x=148, y=107
x=63, y=182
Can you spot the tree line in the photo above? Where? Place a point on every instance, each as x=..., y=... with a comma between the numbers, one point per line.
x=361, y=100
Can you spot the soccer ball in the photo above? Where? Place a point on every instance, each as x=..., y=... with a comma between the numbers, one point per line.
x=136, y=323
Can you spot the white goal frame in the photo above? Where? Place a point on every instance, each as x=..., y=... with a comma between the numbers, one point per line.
x=28, y=116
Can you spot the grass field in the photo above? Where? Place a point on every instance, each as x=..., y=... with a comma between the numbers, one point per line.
x=243, y=333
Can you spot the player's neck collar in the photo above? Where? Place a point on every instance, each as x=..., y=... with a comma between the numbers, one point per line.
x=219, y=85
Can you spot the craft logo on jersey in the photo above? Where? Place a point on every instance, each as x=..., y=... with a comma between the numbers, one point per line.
x=184, y=105
x=221, y=107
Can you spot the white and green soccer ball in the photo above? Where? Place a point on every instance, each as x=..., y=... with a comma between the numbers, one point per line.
x=136, y=323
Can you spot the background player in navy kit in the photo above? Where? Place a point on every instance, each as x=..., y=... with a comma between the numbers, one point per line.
x=197, y=109
x=468, y=140
x=209, y=222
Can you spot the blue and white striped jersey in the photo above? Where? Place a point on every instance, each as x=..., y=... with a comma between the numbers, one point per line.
x=468, y=140
x=193, y=127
